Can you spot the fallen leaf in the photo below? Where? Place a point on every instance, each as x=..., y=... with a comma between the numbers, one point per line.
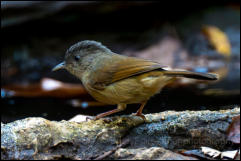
x=229, y=154
x=46, y=88
x=194, y=153
x=210, y=152
x=218, y=39
x=233, y=132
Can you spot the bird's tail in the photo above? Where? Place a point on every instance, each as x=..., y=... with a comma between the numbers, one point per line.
x=189, y=74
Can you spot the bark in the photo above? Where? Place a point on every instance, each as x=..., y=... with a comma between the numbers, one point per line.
x=162, y=133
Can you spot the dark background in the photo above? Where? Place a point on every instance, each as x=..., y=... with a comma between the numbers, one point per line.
x=35, y=36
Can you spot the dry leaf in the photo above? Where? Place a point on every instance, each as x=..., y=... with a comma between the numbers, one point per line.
x=194, y=153
x=229, y=154
x=46, y=88
x=218, y=39
x=210, y=152
x=233, y=132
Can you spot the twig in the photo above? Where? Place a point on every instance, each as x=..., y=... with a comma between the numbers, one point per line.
x=124, y=143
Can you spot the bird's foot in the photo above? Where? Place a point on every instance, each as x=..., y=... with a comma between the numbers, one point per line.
x=140, y=115
x=90, y=118
x=107, y=120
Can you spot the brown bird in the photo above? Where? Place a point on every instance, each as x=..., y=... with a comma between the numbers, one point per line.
x=116, y=79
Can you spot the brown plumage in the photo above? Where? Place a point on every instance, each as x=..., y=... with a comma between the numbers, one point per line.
x=116, y=79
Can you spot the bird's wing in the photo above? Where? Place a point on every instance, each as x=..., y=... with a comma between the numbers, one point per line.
x=121, y=68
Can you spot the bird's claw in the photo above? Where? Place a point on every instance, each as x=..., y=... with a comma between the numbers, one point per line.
x=90, y=118
x=107, y=120
x=140, y=115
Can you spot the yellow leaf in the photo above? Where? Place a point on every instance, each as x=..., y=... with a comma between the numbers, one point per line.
x=218, y=39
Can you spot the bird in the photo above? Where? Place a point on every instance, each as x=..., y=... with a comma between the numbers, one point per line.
x=116, y=79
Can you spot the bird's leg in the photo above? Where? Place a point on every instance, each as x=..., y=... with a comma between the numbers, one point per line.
x=139, y=111
x=120, y=107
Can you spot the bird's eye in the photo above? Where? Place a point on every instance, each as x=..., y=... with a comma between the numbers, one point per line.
x=77, y=58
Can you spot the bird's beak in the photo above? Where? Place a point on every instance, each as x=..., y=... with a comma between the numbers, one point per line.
x=59, y=66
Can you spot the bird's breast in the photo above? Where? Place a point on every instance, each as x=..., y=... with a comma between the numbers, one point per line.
x=136, y=89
